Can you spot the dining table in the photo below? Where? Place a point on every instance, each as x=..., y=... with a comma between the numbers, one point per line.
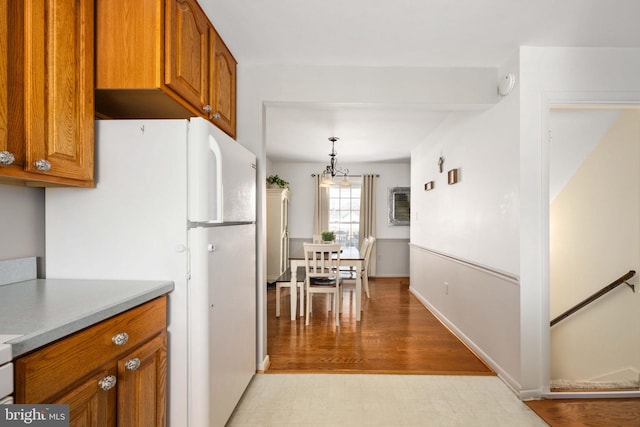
x=349, y=257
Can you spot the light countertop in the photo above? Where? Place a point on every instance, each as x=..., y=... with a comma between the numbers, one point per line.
x=37, y=312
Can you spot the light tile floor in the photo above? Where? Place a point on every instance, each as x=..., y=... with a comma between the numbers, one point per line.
x=380, y=400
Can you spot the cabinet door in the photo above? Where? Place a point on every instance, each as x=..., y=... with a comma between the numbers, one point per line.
x=59, y=125
x=223, y=86
x=4, y=76
x=91, y=405
x=129, y=44
x=11, y=88
x=186, y=51
x=142, y=385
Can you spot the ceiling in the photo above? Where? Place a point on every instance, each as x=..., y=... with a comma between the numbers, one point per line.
x=420, y=33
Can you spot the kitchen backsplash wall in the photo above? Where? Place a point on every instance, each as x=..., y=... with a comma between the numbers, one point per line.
x=22, y=219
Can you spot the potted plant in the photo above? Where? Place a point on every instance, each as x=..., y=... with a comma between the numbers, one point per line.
x=275, y=181
x=328, y=236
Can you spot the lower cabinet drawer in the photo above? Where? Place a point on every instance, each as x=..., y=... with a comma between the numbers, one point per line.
x=47, y=371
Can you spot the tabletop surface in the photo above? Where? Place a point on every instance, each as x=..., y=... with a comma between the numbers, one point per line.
x=346, y=253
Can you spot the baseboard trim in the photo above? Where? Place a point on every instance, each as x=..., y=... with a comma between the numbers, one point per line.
x=513, y=385
x=262, y=367
x=590, y=395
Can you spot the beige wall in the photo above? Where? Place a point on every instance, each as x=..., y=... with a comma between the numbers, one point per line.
x=594, y=239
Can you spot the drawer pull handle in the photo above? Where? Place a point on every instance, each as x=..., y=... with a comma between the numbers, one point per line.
x=120, y=339
x=42, y=165
x=6, y=158
x=107, y=383
x=132, y=364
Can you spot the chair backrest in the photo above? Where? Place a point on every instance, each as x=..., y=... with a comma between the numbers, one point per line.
x=317, y=238
x=321, y=260
x=367, y=252
x=363, y=245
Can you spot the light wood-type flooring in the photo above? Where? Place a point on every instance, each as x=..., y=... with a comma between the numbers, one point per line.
x=398, y=335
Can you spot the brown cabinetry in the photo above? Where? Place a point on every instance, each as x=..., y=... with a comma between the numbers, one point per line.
x=187, y=52
x=112, y=373
x=162, y=59
x=223, y=85
x=46, y=91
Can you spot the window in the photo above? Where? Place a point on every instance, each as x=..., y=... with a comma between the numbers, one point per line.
x=344, y=213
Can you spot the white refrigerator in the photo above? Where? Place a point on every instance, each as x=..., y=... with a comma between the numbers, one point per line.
x=174, y=200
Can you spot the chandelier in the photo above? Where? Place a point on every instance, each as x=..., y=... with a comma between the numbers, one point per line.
x=332, y=169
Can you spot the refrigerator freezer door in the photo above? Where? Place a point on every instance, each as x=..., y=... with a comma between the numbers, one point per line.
x=222, y=176
x=222, y=320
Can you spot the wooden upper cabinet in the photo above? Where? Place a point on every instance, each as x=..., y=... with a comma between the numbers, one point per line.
x=223, y=85
x=155, y=59
x=4, y=59
x=47, y=112
x=187, y=52
x=59, y=87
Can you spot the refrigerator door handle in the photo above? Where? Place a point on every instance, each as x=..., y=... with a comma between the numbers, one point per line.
x=217, y=156
x=209, y=224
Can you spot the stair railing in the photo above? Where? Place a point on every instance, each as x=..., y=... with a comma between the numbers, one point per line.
x=601, y=292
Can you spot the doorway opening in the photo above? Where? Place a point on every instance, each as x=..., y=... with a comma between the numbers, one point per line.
x=594, y=242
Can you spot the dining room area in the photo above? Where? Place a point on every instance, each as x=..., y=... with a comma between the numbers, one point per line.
x=366, y=320
x=385, y=352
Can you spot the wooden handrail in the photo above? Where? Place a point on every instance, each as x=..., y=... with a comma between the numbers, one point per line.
x=592, y=298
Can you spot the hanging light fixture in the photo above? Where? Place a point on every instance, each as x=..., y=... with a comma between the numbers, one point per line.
x=332, y=169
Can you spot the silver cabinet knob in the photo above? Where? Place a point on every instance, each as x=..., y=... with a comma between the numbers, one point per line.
x=42, y=165
x=120, y=339
x=132, y=364
x=207, y=108
x=211, y=247
x=216, y=116
x=6, y=158
x=107, y=383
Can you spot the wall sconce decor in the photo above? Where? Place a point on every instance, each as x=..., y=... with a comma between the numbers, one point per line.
x=453, y=176
x=429, y=186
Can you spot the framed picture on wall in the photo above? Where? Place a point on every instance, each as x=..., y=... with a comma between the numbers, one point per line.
x=399, y=205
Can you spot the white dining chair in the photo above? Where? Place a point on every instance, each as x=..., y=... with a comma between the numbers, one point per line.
x=349, y=276
x=284, y=281
x=322, y=266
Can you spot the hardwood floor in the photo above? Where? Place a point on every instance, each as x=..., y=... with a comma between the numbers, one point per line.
x=397, y=334
x=588, y=412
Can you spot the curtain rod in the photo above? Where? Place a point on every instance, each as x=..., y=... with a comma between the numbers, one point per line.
x=348, y=176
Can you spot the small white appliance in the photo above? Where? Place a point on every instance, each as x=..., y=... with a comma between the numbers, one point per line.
x=175, y=199
x=6, y=373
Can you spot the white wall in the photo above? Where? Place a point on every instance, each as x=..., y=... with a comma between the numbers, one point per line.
x=474, y=221
x=552, y=75
x=302, y=194
x=22, y=219
x=258, y=85
x=477, y=218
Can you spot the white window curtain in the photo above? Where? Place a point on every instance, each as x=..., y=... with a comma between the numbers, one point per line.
x=368, y=215
x=321, y=207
